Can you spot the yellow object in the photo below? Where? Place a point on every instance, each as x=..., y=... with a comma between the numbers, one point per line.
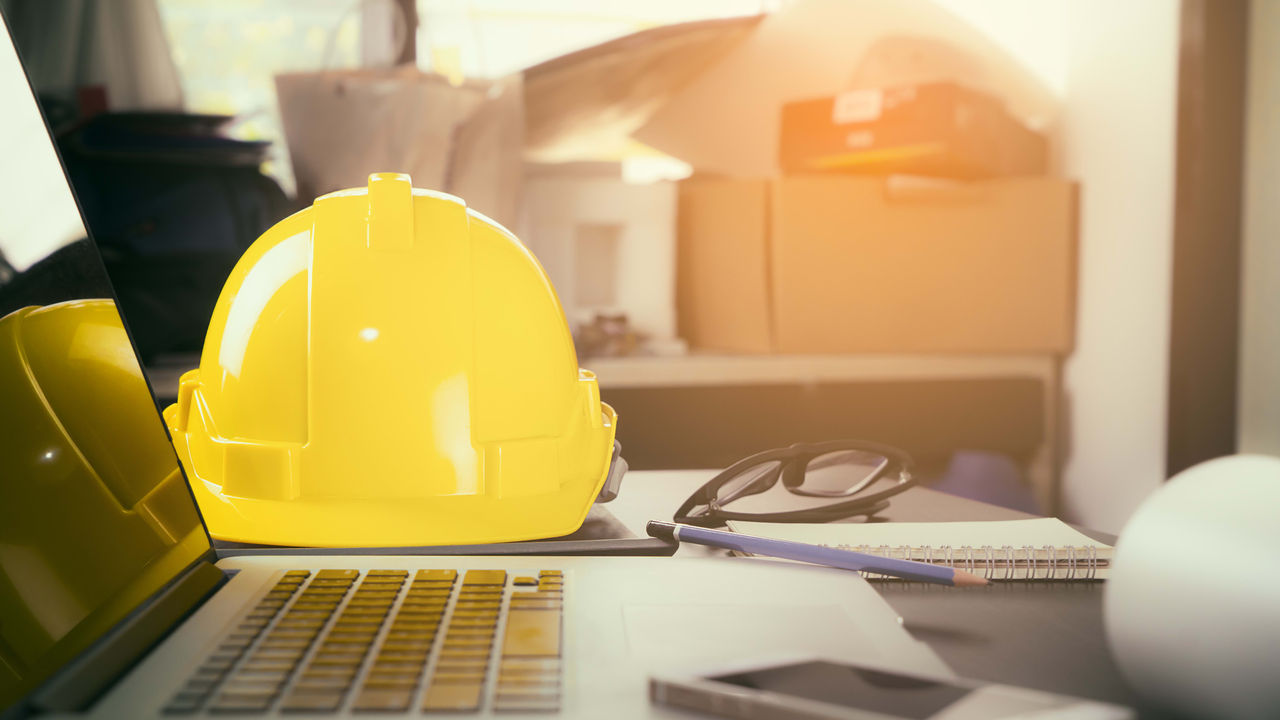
x=81, y=444
x=390, y=368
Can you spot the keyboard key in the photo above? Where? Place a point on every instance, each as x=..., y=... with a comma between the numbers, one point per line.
x=467, y=676
x=383, y=699
x=404, y=656
x=184, y=703
x=462, y=665
x=200, y=684
x=296, y=622
x=363, y=595
x=523, y=705
x=435, y=575
x=473, y=623
x=335, y=675
x=272, y=675
x=528, y=692
x=516, y=664
x=337, y=658
x=319, y=585
x=241, y=702
x=342, y=574
x=532, y=633
x=536, y=604
x=345, y=631
x=465, y=609
x=343, y=649
x=327, y=588
x=525, y=580
x=292, y=633
x=310, y=602
x=463, y=654
x=384, y=680
x=452, y=698
x=410, y=637
x=268, y=665
x=214, y=668
x=284, y=643
x=279, y=653
x=311, y=702
x=522, y=685
x=357, y=620
x=541, y=677
x=416, y=620
x=485, y=577
x=322, y=684
x=468, y=644
x=404, y=648
x=246, y=686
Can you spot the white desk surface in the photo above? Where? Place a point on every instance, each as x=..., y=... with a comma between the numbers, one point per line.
x=1047, y=636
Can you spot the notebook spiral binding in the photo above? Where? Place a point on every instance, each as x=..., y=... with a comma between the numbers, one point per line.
x=1001, y=563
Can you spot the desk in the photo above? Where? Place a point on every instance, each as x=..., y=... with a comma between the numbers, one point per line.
x=1043, y=636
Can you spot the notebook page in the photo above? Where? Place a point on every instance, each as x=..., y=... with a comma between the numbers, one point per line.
x=1036, y=532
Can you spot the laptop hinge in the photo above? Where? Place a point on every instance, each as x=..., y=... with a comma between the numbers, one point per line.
x=84, y=679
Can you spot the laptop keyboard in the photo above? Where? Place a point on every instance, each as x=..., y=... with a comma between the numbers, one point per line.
x=389, y=642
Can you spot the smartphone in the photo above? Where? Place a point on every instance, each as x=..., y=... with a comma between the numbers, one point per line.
x=821, y=689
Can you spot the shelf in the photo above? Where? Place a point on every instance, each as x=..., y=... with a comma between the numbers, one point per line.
x=709, y=369
x=724, y=369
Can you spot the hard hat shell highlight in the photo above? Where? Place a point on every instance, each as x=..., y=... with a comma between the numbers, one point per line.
x=387, y=367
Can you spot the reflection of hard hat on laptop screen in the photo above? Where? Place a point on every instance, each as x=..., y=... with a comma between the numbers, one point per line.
x=78, y=425
x=384, y=368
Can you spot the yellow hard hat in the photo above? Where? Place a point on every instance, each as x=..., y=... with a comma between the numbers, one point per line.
x=389, y=368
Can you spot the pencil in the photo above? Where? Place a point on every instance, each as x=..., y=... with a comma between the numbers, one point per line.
x=816, y=554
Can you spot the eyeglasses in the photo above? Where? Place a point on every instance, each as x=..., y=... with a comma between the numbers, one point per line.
x=829, y=480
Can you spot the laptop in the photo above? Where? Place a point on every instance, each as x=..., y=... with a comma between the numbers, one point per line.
x=116, y=604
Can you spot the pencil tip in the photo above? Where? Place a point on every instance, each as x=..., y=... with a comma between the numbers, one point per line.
x=962, y=578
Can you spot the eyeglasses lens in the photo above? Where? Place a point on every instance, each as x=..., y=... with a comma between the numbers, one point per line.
x=842, y=472
x=753, y=480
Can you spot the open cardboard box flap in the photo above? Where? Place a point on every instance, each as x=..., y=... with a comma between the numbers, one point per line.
x=726, y=119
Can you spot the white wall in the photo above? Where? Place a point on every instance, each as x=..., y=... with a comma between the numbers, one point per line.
x=557, y=206
x=1118, y=140
x=1259, y=390
x=1116, y=65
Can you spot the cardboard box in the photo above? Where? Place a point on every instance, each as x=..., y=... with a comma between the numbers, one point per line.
x=722, y=279
x=936, y=129
x=834, y=264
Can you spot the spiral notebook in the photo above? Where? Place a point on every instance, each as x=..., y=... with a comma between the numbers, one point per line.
x=1035, y=549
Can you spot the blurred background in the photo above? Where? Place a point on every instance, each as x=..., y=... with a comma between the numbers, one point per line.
x=1033, y=243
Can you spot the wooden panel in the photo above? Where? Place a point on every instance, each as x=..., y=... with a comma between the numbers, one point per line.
x=1204, y=337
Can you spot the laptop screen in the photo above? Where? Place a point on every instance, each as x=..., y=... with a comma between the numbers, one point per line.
x=95, y=515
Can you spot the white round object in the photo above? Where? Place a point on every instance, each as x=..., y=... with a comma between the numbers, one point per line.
x=1192, y=607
